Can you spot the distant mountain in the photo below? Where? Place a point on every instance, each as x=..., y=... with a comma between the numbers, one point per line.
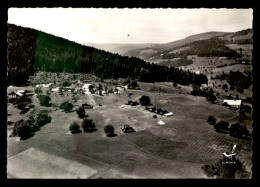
x=189, y=39
x=209, y=43
x=145, y=52
x=118, y=47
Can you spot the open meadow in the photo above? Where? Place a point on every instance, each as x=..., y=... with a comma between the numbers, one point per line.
x=177, y=149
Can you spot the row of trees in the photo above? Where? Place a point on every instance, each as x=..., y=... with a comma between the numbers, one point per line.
x=237, y=79
x=209, y=94
x=235, y=130
x=26, y=128
x=88, y=125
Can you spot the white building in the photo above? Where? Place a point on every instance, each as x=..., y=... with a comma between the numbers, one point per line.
x=233, y=103
x=86, y=88
x=168, y=114
x=161, y=122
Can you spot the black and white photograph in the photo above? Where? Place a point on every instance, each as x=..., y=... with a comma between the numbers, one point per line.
x=129, y=93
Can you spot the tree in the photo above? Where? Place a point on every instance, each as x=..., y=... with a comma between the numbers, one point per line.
x=224, y=170
x=37, y=91
x=100, y=87
x=45, y=100
x=80, y=111
x=240, y=89
x=211, y=97
x=66, y=106
x=221, y=126
x=224, y=86
x=175, y=85
x=106, y=88
x=238, y=130
x=109, y=130
x=42, y=119
x=66, y=84
x=91, y=87
x=23, y=130
x=232, y=87
x=145, y=100
x=133, y=84
x=211, y=120
x=88, y=125
x=74, y=128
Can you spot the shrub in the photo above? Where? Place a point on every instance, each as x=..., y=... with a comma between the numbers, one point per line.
x=225, y=104
x=88, y=125
x=66, y=106
x=110, y=90
x=109, y=130
x=80, y=111
x=37, y=90
x=45, y=100
x=221, y=126
x=74, y=99
x=145, y=100
x=211, y=120
x=74, y=128
x=65, y=84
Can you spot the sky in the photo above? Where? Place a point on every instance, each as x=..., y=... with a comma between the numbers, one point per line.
x=98, y=25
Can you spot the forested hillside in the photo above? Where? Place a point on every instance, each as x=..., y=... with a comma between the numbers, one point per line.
x=55, y=54
x=213, y=47
x=20, y=54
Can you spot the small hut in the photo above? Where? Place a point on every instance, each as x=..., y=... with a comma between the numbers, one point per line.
x=128, y=129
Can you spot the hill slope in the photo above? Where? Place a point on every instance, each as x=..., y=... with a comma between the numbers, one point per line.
x=206, y=44
x=30, y=50
x=146, y=52
x=118, y=47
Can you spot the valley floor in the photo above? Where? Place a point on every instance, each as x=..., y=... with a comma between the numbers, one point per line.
x=177, y=149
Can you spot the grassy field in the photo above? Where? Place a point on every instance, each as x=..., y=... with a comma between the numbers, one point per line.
x=177, y=149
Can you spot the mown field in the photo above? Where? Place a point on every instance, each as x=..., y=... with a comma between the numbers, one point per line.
x=177, y=149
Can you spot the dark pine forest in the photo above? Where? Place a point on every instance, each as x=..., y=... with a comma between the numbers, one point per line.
x=30, y=51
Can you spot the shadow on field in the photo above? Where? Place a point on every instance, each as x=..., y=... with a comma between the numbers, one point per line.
x=90, y=130
x=111, y=135
x=221, y=131
x=242, y=137
x=76, y=131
